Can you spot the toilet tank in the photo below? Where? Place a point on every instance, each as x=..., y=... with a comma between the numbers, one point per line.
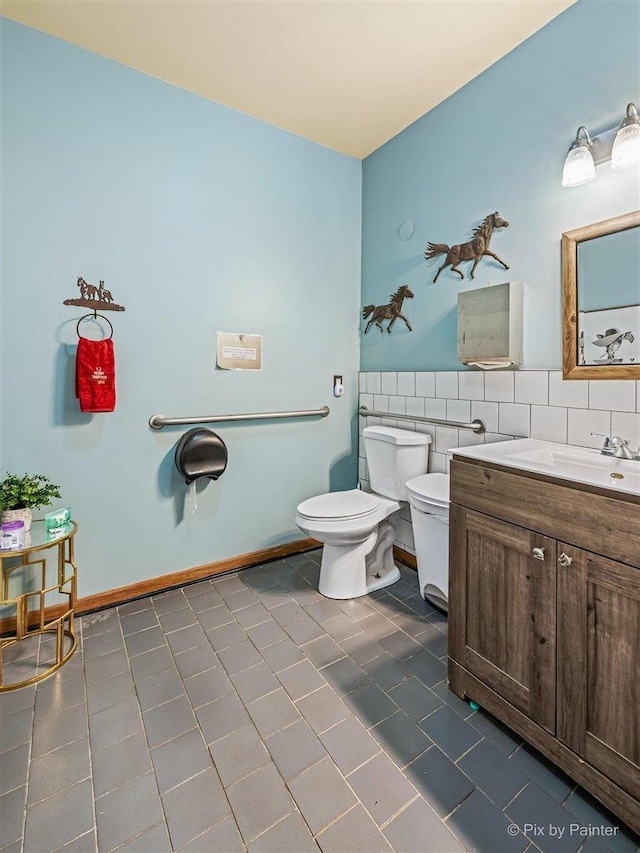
x=395, y=456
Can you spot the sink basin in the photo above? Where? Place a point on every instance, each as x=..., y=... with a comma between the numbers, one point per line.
x=564, y=461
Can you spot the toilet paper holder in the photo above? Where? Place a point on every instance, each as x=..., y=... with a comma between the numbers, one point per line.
x=201, y=453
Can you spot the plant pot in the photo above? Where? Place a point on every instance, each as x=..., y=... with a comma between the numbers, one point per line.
x=24, y=514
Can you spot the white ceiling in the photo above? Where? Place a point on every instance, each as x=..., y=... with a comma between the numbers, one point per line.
x=349, y=75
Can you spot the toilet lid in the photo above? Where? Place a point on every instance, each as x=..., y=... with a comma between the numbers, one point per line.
x=352, y=504
x=430, y=487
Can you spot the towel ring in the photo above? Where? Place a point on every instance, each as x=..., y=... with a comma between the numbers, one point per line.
x=94, y=316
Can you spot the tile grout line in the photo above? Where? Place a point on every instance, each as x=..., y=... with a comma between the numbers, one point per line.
x=302, y=717
x=296, y=809
x=400, y=810
x=193, y=710
x=335, y=820
x=144, y=731
x=86, y=695
x=317, y=735
x=26, y=789
x=75, y=782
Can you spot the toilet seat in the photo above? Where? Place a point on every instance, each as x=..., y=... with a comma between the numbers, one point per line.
x=429, y=490
x=339, y=506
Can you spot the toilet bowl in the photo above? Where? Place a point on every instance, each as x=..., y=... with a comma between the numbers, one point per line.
x=357, y=528
x=429, y=504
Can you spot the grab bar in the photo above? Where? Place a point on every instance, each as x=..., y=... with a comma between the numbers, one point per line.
x=159, y=421
x=475, y=426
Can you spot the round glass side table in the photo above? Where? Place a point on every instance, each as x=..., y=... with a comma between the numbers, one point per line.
x=37, y=603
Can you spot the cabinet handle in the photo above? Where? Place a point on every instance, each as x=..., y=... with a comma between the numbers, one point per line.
x=565, y=559
x=538, y=553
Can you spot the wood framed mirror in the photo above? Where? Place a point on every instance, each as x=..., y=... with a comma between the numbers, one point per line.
x=601, y=300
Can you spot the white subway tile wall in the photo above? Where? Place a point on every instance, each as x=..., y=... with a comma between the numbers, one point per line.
x=512, y=404
x=487, y=412
x=549, y=423
x=435, y=407
x=425, y=384
x=498, y=386
x=532, y=386
x=447, y=385
x=407, y=384
x=471, y=385
x=618, y=396
x=459, y=410
x=574, y=394
x=389, y=383
x=586, y=427
x=626, y=425
x=514, y=419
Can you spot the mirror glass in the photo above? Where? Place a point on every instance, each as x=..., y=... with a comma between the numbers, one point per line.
x=608, y=299
x=601, y=299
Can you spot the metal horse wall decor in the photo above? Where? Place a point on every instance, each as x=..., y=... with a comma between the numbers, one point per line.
x=97, y=298
x=473, y=250
x=390, y=312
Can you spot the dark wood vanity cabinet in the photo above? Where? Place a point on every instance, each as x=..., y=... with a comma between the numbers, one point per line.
x=599, y=664
x=545, y=633
x=507, y=638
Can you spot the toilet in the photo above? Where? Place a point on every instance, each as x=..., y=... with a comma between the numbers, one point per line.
x=429, y=504
x=356, y=528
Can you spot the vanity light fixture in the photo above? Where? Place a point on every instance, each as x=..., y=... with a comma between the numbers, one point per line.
x=620, y=144
x=579, y=167
x=626, y=145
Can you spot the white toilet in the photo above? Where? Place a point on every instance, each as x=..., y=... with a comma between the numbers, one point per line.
x=357, y=528
x=429, y=502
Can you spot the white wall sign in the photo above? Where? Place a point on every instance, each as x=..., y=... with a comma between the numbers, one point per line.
x=236, y=351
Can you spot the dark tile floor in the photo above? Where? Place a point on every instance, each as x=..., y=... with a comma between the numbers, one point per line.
x=249, y=713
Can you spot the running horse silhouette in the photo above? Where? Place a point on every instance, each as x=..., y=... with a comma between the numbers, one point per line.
x=390, y=312
x=473, y=250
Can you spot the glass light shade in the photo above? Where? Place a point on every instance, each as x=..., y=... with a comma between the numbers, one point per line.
x=626, y=147
x=579, y=167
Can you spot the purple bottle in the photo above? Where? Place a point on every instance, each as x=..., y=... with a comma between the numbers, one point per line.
x=12, y=535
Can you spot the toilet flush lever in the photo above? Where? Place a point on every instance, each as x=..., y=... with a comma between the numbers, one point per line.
x=538, y=553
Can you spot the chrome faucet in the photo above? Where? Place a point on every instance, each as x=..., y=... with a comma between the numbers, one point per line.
x=617, y=447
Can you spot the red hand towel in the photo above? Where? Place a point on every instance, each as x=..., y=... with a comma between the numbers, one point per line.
x=96, y=375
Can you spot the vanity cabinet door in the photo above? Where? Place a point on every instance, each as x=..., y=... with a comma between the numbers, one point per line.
x=502, y=610
x=599, y=663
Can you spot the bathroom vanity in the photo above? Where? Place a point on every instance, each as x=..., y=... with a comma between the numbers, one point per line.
x=544, y=605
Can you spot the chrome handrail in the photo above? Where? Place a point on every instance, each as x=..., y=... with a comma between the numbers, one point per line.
x=159, y=421
x=476, y=425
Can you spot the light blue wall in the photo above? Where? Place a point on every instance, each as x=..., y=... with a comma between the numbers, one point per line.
x=499, y=144
x=609, y=271
x=198, y=218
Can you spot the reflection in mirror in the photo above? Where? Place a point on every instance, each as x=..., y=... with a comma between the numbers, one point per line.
x=608, y=299
x=601, y=299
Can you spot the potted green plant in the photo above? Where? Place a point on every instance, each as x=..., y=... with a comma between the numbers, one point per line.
x=19, y=495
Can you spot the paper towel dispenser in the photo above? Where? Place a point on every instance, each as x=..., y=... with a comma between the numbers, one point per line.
x=490, y=326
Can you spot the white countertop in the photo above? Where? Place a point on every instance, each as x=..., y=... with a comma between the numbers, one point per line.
x=565, y=461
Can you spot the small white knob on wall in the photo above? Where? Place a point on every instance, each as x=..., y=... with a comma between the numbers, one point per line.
x=338, y=387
